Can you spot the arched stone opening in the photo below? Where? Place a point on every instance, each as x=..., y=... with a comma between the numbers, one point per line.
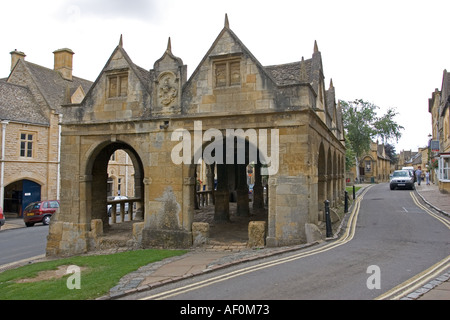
x=231, y=191
x=116, y=214
x=322, y=181
x=330, y=173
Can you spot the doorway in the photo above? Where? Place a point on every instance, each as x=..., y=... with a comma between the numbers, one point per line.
x=19, y=194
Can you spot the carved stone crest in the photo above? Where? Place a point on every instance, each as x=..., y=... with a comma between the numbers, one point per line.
x=167, y=89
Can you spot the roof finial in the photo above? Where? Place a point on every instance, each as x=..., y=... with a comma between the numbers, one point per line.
x=120, y=42
x=316, y=48
x=331, y=83
x=169, y=46
x=227, y=23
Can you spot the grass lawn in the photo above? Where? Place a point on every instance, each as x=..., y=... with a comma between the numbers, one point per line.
x=350, y=190
x=98, y=274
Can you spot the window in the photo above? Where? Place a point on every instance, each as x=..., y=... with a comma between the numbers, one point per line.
x=368, y=166
x=227, y=73
x=26, y=145
x=118, y=85
x=54, y=204
x=444, y=168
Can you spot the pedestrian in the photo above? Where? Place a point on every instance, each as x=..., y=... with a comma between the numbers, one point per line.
x=427, y=176
x=419, y=175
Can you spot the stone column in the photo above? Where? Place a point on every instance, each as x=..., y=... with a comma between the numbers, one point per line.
x=210, y=182
x=258, y=190
x=242, y=191
x=222, y=195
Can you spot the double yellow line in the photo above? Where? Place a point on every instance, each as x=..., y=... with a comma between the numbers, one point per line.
x=446, y=222
x=424, y=277
x=346, y=237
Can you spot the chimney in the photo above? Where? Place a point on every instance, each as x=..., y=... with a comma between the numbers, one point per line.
x=63, y=62
x=16, y=56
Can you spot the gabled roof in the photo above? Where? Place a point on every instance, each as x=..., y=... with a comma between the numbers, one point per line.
x=445, y=92
x=18, y=104
x=304, y=71
x=289, y=73
x=226, y=29
x=142, y=74
x=52, y=85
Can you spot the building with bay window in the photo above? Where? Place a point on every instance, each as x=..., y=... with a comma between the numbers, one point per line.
x=438, y=106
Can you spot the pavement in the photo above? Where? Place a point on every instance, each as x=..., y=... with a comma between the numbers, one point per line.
x=216, y=256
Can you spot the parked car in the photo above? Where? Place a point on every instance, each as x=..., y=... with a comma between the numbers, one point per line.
x=117, y=205
x=40, y=211
x=402, y=179
x=2, y=218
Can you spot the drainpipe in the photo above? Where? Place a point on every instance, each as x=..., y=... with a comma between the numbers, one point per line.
x=2, y=169
x=58, y=174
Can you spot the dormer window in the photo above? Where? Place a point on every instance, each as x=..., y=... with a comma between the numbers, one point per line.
x=118, y=85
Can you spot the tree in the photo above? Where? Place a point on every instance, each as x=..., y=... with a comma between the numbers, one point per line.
x=391, y=153
x=349, y=156
x=387, y=128
x=362, y=124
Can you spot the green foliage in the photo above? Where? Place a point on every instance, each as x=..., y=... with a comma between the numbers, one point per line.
x=358, y=117
x=362, y=125
x=386, y=128
x=349, y=156
x=100, y=273
x=391, y=153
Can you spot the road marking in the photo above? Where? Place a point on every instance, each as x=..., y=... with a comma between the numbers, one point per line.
x=445, y=221
x=422, y=278
x=416, y=282
x=348, y=236
x=405, y=209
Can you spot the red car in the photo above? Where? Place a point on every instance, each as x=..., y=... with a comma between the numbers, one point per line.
x=2, y=218
x=40, y=211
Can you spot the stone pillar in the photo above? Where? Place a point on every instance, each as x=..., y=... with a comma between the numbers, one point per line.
x=210, y=182
x=222, y=195
x=242, y=191
x=258, y=190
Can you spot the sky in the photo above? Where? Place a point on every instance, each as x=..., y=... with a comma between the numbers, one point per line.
x=390, y=53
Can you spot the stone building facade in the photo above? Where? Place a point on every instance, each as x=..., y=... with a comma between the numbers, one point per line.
x=30, y=113
x=29, y=101
x=438, y=106
x=230, y=113
x=374, y=166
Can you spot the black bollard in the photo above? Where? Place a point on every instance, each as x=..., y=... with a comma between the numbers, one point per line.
x=346, y=202
x=354, y=197
x=328, y=219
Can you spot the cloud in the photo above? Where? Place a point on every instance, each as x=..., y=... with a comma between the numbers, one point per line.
x=109, y=9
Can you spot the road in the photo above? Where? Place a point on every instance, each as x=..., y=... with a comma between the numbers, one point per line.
x=22, y=243
x=25, y=243
x=389, y=241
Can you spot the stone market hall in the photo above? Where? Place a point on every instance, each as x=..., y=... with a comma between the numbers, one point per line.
x=280, y=177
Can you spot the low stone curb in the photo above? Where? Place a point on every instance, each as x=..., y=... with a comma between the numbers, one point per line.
x=209, y=269
x=430, y=285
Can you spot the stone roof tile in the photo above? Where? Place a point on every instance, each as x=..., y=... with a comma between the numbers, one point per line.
x=17, y=104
